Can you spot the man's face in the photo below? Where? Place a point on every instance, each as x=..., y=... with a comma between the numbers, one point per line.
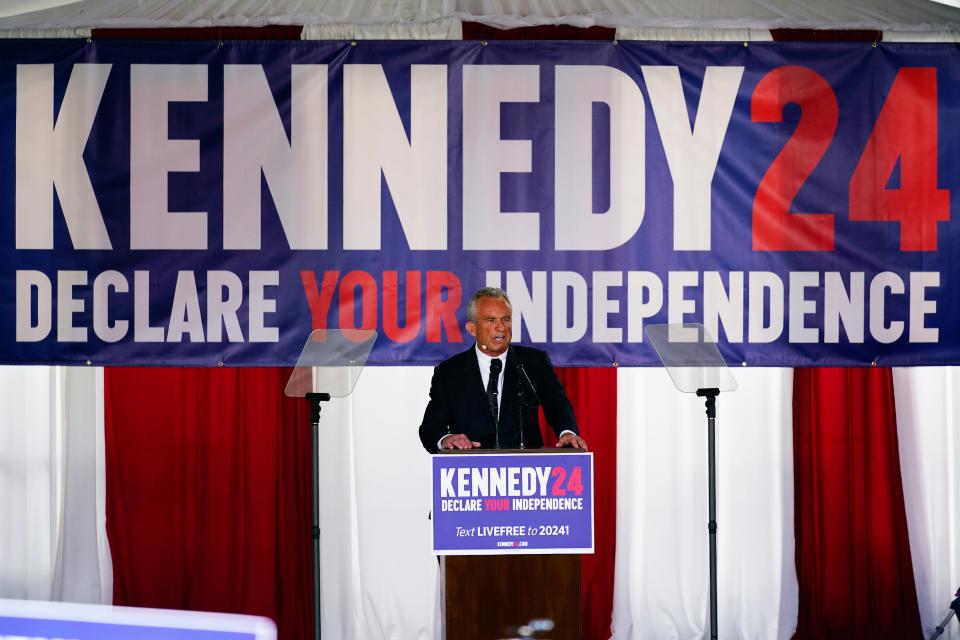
x=492, y=328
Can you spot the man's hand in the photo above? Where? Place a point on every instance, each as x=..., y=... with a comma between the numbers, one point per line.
x=570, y=439
x=458, y=441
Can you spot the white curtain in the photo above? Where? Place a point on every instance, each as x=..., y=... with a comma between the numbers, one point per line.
x=928, y=429
x=662, y=567
x=379, y=577
x=53, y=543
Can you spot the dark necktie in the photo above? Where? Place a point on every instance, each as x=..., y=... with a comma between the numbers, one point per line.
x=495, y=367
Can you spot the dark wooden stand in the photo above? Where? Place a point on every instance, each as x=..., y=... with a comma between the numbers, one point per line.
x=487, y=597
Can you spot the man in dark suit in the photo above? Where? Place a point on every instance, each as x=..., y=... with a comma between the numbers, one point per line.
x=488, y=395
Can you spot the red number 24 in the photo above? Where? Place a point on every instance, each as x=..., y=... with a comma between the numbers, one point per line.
x=905, y=131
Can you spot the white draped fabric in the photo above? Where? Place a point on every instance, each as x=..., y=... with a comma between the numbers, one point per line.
x=662, y=562
x=53, y=543
x=928, y=429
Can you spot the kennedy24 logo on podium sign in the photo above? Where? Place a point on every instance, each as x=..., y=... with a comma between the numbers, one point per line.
x=491, y=503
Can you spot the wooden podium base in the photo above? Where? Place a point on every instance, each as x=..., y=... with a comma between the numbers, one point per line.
x=488, y=597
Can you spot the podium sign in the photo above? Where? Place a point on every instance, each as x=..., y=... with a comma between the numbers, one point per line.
x=497, y=503
x=41, y=620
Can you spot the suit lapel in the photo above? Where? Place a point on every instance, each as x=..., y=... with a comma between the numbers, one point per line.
x=471, y=368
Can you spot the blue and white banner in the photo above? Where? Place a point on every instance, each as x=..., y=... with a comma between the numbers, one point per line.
x=486, y=504
x=192, y=203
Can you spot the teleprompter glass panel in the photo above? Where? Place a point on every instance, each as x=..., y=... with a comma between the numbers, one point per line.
x=691, y=357
x=331, y=362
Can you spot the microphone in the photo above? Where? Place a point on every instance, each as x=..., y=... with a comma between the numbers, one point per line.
x=527, y=380
x=521, y=400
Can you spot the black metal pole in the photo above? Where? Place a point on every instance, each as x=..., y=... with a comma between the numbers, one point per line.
x=315, y=399
x=940, y=628
x=954, y=610
x=520, y=400
x=710, y=396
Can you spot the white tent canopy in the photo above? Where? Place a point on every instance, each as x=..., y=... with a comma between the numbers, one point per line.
x=916, y=16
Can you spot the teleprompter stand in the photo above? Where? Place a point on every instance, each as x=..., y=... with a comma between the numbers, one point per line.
x=691, y=357
x=328, y=367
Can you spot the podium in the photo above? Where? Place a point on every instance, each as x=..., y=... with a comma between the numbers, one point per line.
x=495, y=589
x=485, y=596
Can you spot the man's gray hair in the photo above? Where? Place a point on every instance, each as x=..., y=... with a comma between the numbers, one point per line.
x=486, y=292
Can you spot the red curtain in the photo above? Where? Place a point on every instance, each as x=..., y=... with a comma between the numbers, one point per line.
x=208, y=493
x=478, y=31
x=853, y=555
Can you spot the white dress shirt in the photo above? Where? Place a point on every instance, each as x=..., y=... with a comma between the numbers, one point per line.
x=484, y=361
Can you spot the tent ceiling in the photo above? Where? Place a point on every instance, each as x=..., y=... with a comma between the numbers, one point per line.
x=888, y=15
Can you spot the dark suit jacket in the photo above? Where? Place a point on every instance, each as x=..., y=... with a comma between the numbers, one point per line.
x=458, y=401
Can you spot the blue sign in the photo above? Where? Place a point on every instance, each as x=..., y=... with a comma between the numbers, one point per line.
x=68, y=621
x=197, y=203
x=487, y=503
